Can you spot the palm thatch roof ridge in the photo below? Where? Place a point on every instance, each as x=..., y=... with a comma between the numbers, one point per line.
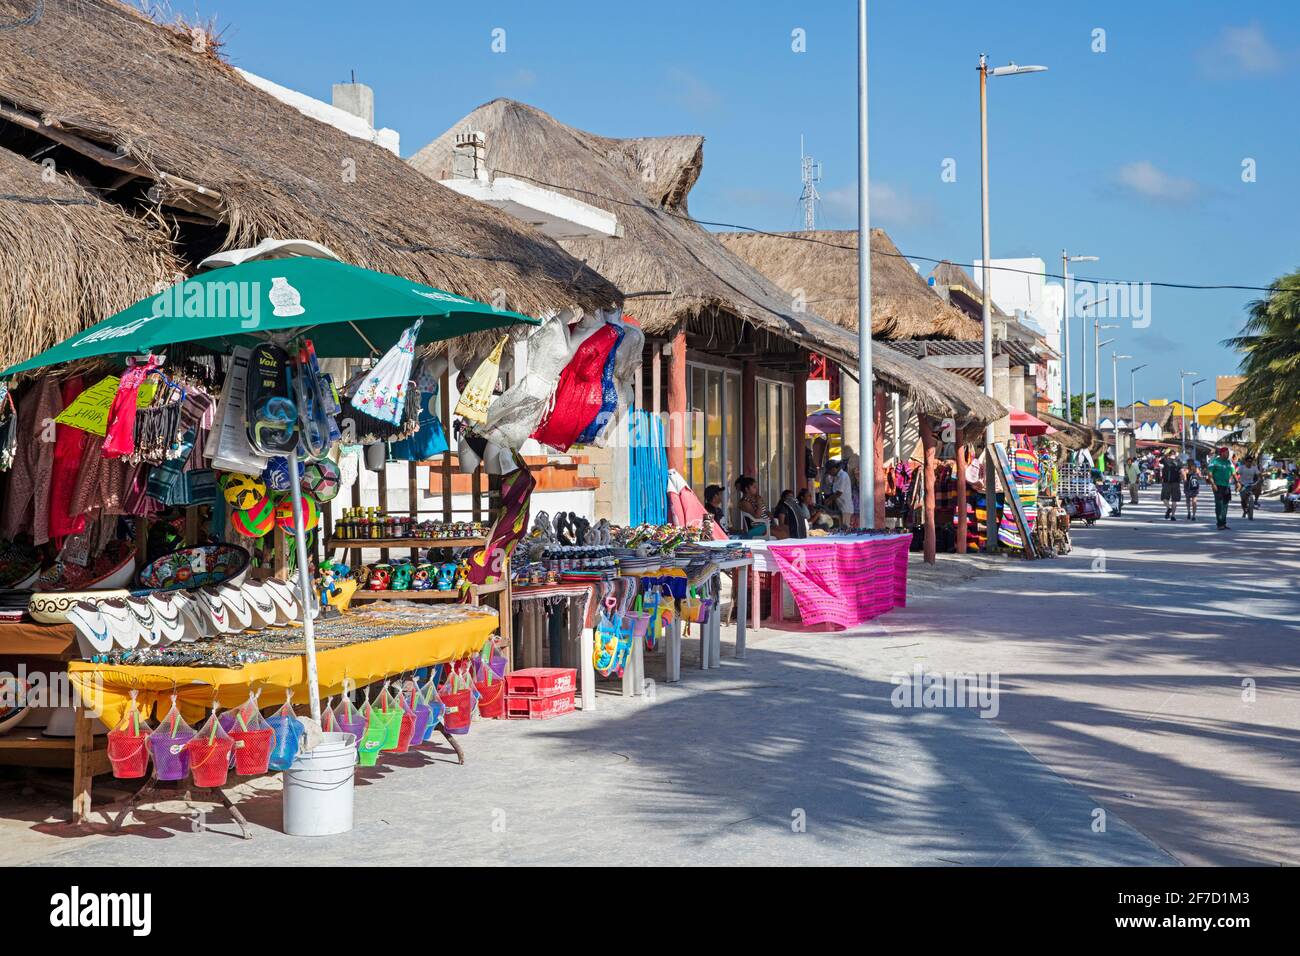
x=645, y=182
x=934, y=391
x=135, y=109
x=64, y=255
x=823, y=263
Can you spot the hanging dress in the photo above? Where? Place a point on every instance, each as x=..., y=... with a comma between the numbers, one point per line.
x=67, y=462
x=27, y=499
x=119, y=439
x=580, y=393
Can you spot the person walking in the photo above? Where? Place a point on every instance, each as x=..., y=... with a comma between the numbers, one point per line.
x=1222, y=476
x=1134, y=475
x=1171, y=486
x=1192, y=489
x=1251, y=481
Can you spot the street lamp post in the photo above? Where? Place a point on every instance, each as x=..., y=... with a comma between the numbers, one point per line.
x=1114, y=385
x=1097, y=328
x=986, y=292
x=1196, y=416
x=1182, y=407
x=1066, y=259
x=1132, y=396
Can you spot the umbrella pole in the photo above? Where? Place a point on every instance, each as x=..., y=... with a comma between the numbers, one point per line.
x=304, y=581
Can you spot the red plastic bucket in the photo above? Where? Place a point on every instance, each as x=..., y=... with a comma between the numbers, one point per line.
x=252, y=750
x=209, y=761
x=460, y=710
x=492, y=698
x=128, y=753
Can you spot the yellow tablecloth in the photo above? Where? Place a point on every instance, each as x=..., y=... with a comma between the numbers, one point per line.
x=106, y=688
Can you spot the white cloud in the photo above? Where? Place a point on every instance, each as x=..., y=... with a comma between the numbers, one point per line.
x=1150, y=182
x=889, y=206
x=690, y=92
x=520, y=79
x=1241, y=51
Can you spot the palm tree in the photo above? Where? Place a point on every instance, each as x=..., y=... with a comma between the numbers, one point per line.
x=1270, y=347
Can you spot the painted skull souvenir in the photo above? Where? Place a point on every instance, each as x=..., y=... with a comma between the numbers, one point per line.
x=422, y=579
x=447, y=576
x=381, y=575
x=402, y=574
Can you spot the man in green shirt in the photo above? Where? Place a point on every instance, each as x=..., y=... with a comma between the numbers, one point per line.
x=1222, y=476
x=1134, y=475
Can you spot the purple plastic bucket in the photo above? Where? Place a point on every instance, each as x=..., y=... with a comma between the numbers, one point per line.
x=357, y=727
x=171, y=758
x=420, y=729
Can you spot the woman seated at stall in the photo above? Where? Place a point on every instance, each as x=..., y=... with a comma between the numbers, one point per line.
x=791, y=516
x=755, y=518
x=713, y=505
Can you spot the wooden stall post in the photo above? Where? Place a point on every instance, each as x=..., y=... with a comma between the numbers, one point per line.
x=963, y=459
x=928, y=443
x=677, y=403
x=878, y=454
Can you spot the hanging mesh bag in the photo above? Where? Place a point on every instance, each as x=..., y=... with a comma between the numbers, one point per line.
x=128, y=744
x=209, y=751
x=167, y=746
x=253, y=739
x=288, y=735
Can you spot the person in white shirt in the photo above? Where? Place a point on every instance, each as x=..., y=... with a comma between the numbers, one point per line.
x=840, y=498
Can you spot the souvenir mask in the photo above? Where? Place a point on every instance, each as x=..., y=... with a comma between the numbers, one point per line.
x=380, y=577
x=402, y=577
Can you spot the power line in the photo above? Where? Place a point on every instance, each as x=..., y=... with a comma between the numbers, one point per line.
x=648, y=207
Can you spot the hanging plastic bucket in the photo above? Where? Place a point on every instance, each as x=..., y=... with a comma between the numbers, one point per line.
x=392, y=721
x=459, y=712
x=492, y=699
x=252, y=750
x=318, y=788
x=209, y=760
x=357, y=727
x=406, y=732
x=171, y=761
x=706, y=610
x=288, y=733
x=129, y=754
x=373, y=740
x=497, y=663
x=420, y=724
x=436, y=711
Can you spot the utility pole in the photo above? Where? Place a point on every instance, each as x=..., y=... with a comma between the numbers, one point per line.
x=866, y=379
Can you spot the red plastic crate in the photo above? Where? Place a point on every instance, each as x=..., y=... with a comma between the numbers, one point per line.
x=539, y=708
x=541, y=682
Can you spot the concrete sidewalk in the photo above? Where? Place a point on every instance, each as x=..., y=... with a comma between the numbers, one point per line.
x=793, y=756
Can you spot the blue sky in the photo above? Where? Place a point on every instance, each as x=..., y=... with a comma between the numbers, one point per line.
x=1133, y=154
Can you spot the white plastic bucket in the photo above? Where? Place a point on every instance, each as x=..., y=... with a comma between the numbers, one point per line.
x=318, y=788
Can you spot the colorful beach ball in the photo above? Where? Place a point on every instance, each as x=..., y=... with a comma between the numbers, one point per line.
x=320, y=479
x=243, y=491
x=255, y=522
x=284, y=512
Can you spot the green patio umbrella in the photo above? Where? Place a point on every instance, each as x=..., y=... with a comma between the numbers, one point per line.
x=346, y=310
x=349, y=312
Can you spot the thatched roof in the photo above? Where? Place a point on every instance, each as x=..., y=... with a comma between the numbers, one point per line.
x=1072, y=435
x=65, y=256
x=644, y=181
x=934, y=391
x=164, y=130
x=950, y=277
x=903, y=305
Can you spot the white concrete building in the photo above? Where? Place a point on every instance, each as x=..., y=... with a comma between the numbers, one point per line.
x=1020, y=287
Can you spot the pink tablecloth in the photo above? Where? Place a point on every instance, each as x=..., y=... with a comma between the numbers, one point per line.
x=847, y=582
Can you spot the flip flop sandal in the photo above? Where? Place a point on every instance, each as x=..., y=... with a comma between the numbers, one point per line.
x=170, y=615
x=145, y=619
x=262, y=604
x=91, y=627
x=121, y=624
x=241, y=612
